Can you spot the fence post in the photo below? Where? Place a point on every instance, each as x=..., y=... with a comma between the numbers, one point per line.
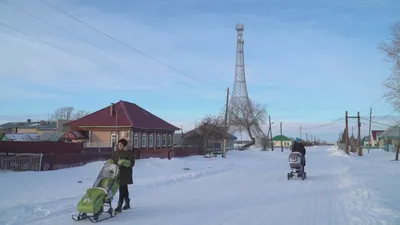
x=169, y=154
x=40, y=161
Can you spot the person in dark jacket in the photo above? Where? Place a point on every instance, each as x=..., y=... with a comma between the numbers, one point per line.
x=123, y=155
x=299, y=147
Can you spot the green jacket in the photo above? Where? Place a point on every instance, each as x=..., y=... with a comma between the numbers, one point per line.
x=126, y=159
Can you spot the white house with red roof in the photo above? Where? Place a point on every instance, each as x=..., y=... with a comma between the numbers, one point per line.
x=126, y=120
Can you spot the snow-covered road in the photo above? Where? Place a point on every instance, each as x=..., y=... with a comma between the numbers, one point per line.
x=247, y=188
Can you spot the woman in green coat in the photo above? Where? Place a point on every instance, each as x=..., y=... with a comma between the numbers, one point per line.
x=124, y=156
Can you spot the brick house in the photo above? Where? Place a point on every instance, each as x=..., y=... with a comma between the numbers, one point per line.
x=125, y=120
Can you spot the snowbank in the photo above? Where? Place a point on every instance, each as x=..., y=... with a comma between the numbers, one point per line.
x=29, y=192
x=236, y=190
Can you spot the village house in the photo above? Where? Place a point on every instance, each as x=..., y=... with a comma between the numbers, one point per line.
x=57, y=126
x=375, y=135
x=286, y=142
x=125, y=120
x=19, y=137
x=194, y=139
x=26, y=127
x=29, y=127
x=388, y=139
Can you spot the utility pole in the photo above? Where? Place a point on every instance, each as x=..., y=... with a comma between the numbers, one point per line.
x=347, y=134
x=226, y=124
x=369, y=132
x=270, y=130
x=347, y=131
x=306, y=136
x=360, y=150
x=281, y=138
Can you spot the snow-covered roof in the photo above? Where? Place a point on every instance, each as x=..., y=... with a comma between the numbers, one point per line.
x=391, y=132
x=21, y=137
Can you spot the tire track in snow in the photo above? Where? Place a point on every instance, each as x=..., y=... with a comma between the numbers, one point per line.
x=47, y=210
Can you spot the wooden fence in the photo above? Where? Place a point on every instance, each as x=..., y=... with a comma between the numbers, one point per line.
x=34, y=147
x=42, y=156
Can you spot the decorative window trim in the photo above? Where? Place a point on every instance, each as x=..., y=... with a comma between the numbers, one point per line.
x=144, y=140
x=164, y=140
x=169, y=140
x=136, y=140
x=151, y=140
x=158, y=140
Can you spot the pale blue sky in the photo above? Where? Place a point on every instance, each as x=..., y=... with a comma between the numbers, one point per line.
x=308, y=61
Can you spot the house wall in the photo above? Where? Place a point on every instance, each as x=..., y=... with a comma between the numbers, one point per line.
x=40, y=132
x=152, y=139
x=230, y=144
x=26, y=130
x=138, y=139
x=284, y=143
x=195, y=141
x=100, y=139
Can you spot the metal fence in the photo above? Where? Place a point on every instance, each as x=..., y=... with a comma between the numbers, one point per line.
x=21, y=162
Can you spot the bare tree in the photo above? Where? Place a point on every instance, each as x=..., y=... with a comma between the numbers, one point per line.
x=80, y=114
x=67, y=113
x=244, y=116
x=392, y=52
x=392, y=83
x=265, y=142
x=210, y=129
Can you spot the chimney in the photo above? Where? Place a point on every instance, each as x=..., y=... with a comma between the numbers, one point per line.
x=28, y=120
x=111, y=109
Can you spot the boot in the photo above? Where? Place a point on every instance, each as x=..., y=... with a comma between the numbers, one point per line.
x=118, y=209
x=127, y=205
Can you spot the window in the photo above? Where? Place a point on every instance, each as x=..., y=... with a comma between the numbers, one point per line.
x=158, y=140
x=169, y=140
x=136, y=140
x=151, y=140
x=144, y=140
x=164, y=140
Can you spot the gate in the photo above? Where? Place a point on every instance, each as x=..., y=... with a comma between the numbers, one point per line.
x=21, y=162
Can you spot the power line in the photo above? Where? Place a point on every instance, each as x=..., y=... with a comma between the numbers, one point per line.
x=336, y=121
x=375, y=102
x=79, y=38
x=120, y=42
x=388, y=115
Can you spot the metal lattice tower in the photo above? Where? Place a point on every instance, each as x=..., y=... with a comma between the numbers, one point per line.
x=239, y=93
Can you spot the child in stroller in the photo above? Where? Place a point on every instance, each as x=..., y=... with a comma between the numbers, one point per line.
x=297, y=160
x=296, y=165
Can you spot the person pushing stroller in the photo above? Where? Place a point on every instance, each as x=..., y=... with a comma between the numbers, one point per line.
x=299, y=147
x=124, y=156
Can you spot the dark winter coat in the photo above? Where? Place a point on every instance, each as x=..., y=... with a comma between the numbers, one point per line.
x=125, y=173
x=299, y=147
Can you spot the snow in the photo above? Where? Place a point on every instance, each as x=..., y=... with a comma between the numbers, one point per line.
x=22, y=137
x=248, y=187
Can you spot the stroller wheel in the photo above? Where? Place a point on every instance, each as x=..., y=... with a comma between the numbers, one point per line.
x=288, y=176
x=305, y=175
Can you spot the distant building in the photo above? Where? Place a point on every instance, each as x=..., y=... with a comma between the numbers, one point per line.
x=29, y=127
x=194, y=138
x=278, y=139
x=20, y=137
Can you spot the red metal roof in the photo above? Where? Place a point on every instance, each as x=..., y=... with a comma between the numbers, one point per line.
x=129, y=115
x=375, y=132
